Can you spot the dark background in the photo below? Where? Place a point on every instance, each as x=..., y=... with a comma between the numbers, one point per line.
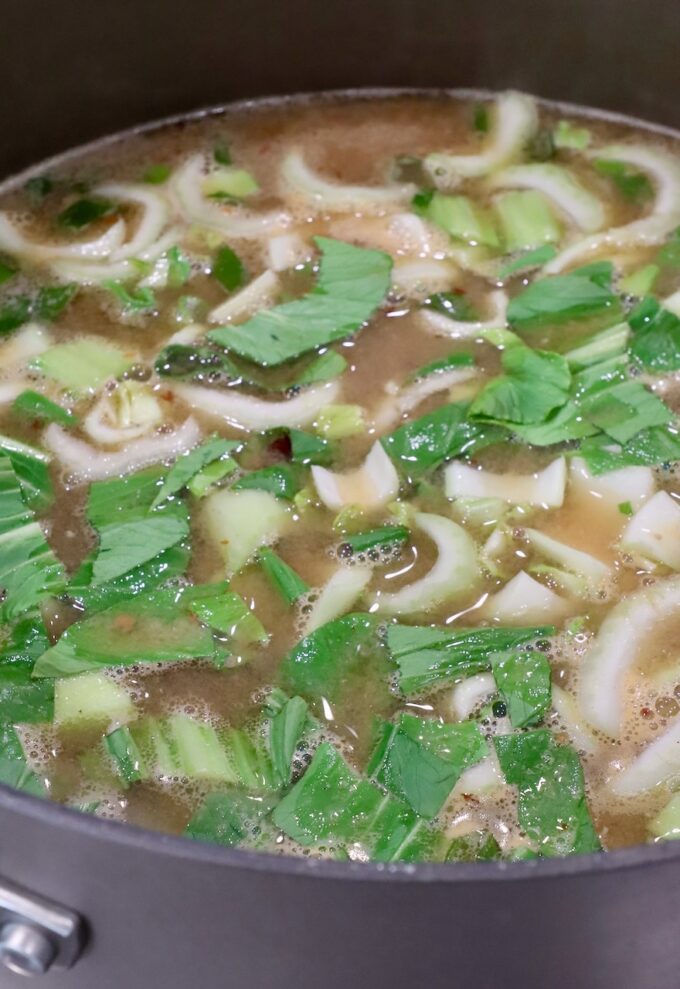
x=71, y=70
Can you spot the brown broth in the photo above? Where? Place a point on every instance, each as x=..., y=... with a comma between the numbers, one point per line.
x=351, y=141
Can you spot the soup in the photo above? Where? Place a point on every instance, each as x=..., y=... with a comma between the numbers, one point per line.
x=339, y=449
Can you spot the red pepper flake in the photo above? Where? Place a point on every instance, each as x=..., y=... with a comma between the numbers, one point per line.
x=280, y=448
x=646, y=712
x=124, y=623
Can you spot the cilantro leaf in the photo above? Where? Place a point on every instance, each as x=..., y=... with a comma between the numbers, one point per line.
x=352, y=283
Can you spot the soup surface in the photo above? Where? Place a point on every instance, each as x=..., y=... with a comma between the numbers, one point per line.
x=338, y=480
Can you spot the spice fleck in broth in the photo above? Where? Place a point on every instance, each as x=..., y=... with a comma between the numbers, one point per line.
x=339, y=494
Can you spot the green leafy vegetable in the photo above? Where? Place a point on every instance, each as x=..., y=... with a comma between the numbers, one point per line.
x=309, y=449
x=528, y=259
x=480, y=118
x=386, y=535
x=228, y=269
x=22, y=699
x=428, y=657
x=452, y=304
x=526, y=220
x=287, y=582
x=83, y=212
x=127, y=758
x=552, y=803
x=633, y=185
x=225, y=611
x=580, y=294
x=229, y=819
x=14, y=769
x=460, y=217
x=352, y=283
x=36, y=406
x=567, y=135
x=8, y=269
x=656, y=336
x=659, y=445
x=476, y=846
x=189, y=464
x=323, y=368
x=420, y=760
x=279, y=479
x=669, y=255
x=285, y=732
x=130, y=544
x=51, y=301
x=81, y=365
x=523, y=680
x=332, y=804
x=535, y=383
x=157, y=174
x=179, y=268
x=151, y=629
x=138, y=300
x=423, y=444
x=460, y=359
x=322, y=661
x=38, y=187
x=14, y=313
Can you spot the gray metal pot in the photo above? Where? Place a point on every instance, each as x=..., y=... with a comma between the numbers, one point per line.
x=151, y=911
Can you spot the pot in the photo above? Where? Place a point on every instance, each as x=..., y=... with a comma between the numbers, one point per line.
x=97, y=905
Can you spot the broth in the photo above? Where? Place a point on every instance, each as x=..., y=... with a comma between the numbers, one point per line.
x=301, y=396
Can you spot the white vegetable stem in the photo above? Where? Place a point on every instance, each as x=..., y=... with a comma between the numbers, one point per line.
x=13, y=240
x=468, y=695
x=544, y=489
x=374, y=483
x=664, y=170
x=633, y=484
x=456, y=569
x=658, y=762
x=250, y=413
x=328, y=197
x=615, y=650
x=654, y=531
x=515, y=122
x=524, y=601
x=338, y=595
x=401, y=401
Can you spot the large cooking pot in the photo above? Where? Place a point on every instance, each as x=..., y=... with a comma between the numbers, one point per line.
x=152, y=911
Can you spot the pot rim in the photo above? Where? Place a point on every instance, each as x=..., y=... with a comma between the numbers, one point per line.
x=176, y=846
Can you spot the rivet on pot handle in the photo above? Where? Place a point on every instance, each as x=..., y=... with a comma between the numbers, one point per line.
x=36, y=935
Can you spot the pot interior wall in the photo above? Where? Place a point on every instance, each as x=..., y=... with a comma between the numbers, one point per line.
x=73, y=71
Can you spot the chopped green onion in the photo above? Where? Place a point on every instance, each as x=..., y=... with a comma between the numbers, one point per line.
x=83, y=212
x=157, y=174
x=386, y=535
x=36, y=406
x=287, y=582
x=228, y=269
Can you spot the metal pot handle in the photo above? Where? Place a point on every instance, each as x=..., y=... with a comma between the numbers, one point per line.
x=36, y=934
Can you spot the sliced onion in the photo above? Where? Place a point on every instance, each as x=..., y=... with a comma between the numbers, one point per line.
x=456, y=569
x=91, y=273
x=9, y=390
x=338, y=595
x=401, y=401
x=262, y=293
x=14, y=241
x=516, y=121
x=402, y=235
x=658, y=762
x=467, y=696
x=87, y=463
x=250, y=413
x=30, y=341
x=442, y=326
x=559, y=185
x=543, y=489
x=329, y=197
x=664, y=169
x=614, y=652
x=594, y=571
x=153, y=220
x=374, y=483
x=125, y=413
x=285, y=251
x=424, y=277
x=233, y=221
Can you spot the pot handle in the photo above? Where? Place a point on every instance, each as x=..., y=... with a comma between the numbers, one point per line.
x=36, y=934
